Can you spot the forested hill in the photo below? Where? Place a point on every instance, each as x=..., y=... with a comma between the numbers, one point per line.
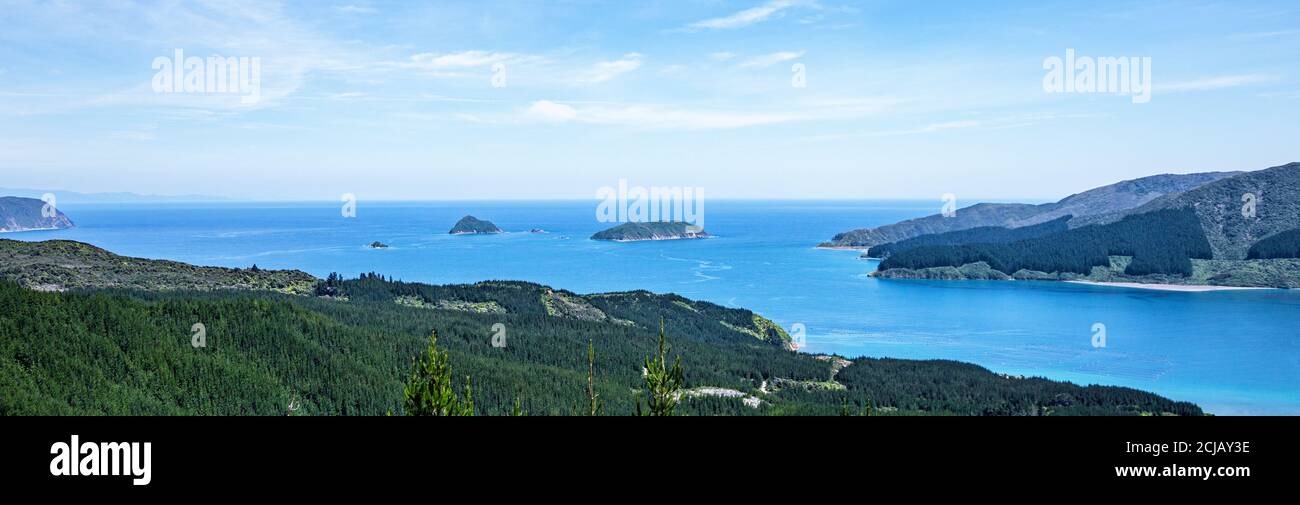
x=982, y=235
x=1105, y=200
x=348, y=350
x=1219, y=206
x=660, y=230
x=58, y=265
x=22, y=214
x=470, y=225
x=1160, y=243
x=633, y=309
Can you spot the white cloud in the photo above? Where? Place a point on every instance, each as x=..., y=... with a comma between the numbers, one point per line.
x=1000, y=123
x=607, y=70
x=463, y=59
x=1267, y=35
x=547, y=110
x=682, y=119
x=768, y=60
x=290, y=51
x=748, y=16
x=673, y=69
x=722, y=55
x=356, y=9
x=687, y=118
x=1213, y=83
x=142, y=133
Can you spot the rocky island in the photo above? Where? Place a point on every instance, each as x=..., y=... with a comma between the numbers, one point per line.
x=470, y=225
x=28, y=214
x=631, y=232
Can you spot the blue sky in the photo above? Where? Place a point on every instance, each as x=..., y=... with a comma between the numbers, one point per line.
x=395, y=100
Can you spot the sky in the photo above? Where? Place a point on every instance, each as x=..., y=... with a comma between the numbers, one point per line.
x=794, y=99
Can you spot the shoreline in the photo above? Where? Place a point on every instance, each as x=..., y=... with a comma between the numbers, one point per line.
x=653, y=239
x=1181, y=288
x=24, y=230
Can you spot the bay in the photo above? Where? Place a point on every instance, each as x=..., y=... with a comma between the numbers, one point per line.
x=1232, y=352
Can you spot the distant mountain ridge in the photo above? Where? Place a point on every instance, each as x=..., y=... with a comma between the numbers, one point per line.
x=1238, y=231
x=1105, y=200
x=26, y=214
x=65, y=197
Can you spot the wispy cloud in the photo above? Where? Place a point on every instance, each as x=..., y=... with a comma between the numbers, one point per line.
x=607, y=70
x=1214, y=83
x=676, y=117
x=722, y=55
x=289, y=49
x=1014, y=121
x=460, y=60
x=768, y=60
x=356, y=9
x=547, y=110
x=929, y=128
x=140, y=134
x=748, y=16
x=653, y=116
x=1266, y=35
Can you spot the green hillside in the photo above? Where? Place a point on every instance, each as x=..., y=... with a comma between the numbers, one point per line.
x=1161, y=242
x=119, y=352
x=1219, y=206
x=58, y=265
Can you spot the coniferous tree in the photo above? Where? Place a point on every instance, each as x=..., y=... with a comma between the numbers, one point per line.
x=429, y=391
x=518, y=410
x=591, y=379
x=664, y=384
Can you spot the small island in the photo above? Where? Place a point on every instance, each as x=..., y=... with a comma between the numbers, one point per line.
x=29, y=214
x=378, y=245
x=632, y=232
x=470, y=225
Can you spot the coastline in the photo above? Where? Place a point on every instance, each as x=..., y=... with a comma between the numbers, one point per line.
x=1182, y=288
x=652, y=239
x=52, y=228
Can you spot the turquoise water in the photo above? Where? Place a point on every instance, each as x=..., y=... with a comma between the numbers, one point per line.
x=1231, y=352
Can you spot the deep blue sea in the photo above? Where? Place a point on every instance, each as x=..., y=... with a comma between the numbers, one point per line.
x=1232, y=352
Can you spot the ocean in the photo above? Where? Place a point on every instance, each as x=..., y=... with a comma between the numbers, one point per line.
x=1232, y=352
